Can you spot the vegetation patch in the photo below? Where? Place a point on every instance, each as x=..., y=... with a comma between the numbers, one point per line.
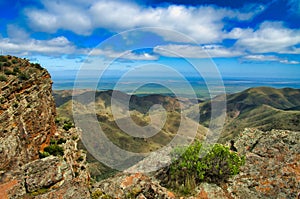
x=196, y=163
x=3, y=78
x=23, y=76
x=52, y=149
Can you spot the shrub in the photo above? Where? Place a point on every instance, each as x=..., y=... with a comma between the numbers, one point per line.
x=43, y=154
x=67, y=125
x=14, y=61
x=196, y=163
x=52, y=142
x=3, y=78
x=38, y=66
x=222, y=163
x=55, y=150
x=7, y=64
x=23, y=76
x=61, y=141
x=3, y=58
x=9, y=72
x=97, y=194
x=15, y=105
x=16, y=70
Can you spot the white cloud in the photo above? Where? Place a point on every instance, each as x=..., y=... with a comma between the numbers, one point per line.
x=270, y=37
x=189, y=51
x=237, y=33
x=60, y=15
x=108, y=53
x=203, y=23
x=55, y=46
x=16, y=33
x=268, y=58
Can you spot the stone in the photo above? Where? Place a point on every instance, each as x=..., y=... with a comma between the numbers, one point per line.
x=44, y=173
x=272, y=168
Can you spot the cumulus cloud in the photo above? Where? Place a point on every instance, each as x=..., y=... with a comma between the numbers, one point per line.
x=16, y=33
x=192, y=51
x=60, y=15
x=267, y=58
x=269, y=37
x=55, y=46
x=203, y=23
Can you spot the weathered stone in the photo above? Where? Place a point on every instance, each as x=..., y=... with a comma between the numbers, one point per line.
x=209, y=191
x=272, y=168
x=132, y=186
x=44, y=173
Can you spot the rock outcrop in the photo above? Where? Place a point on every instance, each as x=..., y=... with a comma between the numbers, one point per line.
x=135, y=185
x=27, y=112
x=27, y=126
x=272, y=168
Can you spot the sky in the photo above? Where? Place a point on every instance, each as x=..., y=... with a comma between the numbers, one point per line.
x=255, y=38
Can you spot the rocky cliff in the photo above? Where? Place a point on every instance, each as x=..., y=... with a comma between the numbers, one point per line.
x=27, y=111
x=27, y=128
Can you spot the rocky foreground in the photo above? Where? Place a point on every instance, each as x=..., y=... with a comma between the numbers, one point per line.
x=28, y=170
x=272, y=170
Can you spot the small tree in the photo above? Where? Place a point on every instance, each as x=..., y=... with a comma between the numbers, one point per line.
x=194, y=164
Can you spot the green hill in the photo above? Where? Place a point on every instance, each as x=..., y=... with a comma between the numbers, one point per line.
x=262, y=107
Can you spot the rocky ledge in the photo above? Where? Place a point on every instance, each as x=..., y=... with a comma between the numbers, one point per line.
x=272, y=170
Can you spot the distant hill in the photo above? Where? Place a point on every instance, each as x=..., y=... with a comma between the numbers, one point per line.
x=262, y=107
x=265, y=108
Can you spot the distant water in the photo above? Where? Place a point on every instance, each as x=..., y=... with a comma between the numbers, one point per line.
x=231, y=85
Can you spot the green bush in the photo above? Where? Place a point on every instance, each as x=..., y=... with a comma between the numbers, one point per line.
x=196, y=163
x=7, y=64
x=43, y=154
x=3, y=78
x=16, y=70
x=55, y=150
x=23, y=76
x=14, y=61
x=61, y=141
x=9, y=72
x=38, y=66
x=3, y=58
x=67, y=125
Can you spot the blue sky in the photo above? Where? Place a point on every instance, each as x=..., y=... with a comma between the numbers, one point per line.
x=256, y=38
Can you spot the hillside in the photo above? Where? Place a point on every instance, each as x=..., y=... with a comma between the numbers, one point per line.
x=138, y=112
x=264, y=108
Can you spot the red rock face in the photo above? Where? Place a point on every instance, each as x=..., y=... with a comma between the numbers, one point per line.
x=27, y=119
x=27, y=123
